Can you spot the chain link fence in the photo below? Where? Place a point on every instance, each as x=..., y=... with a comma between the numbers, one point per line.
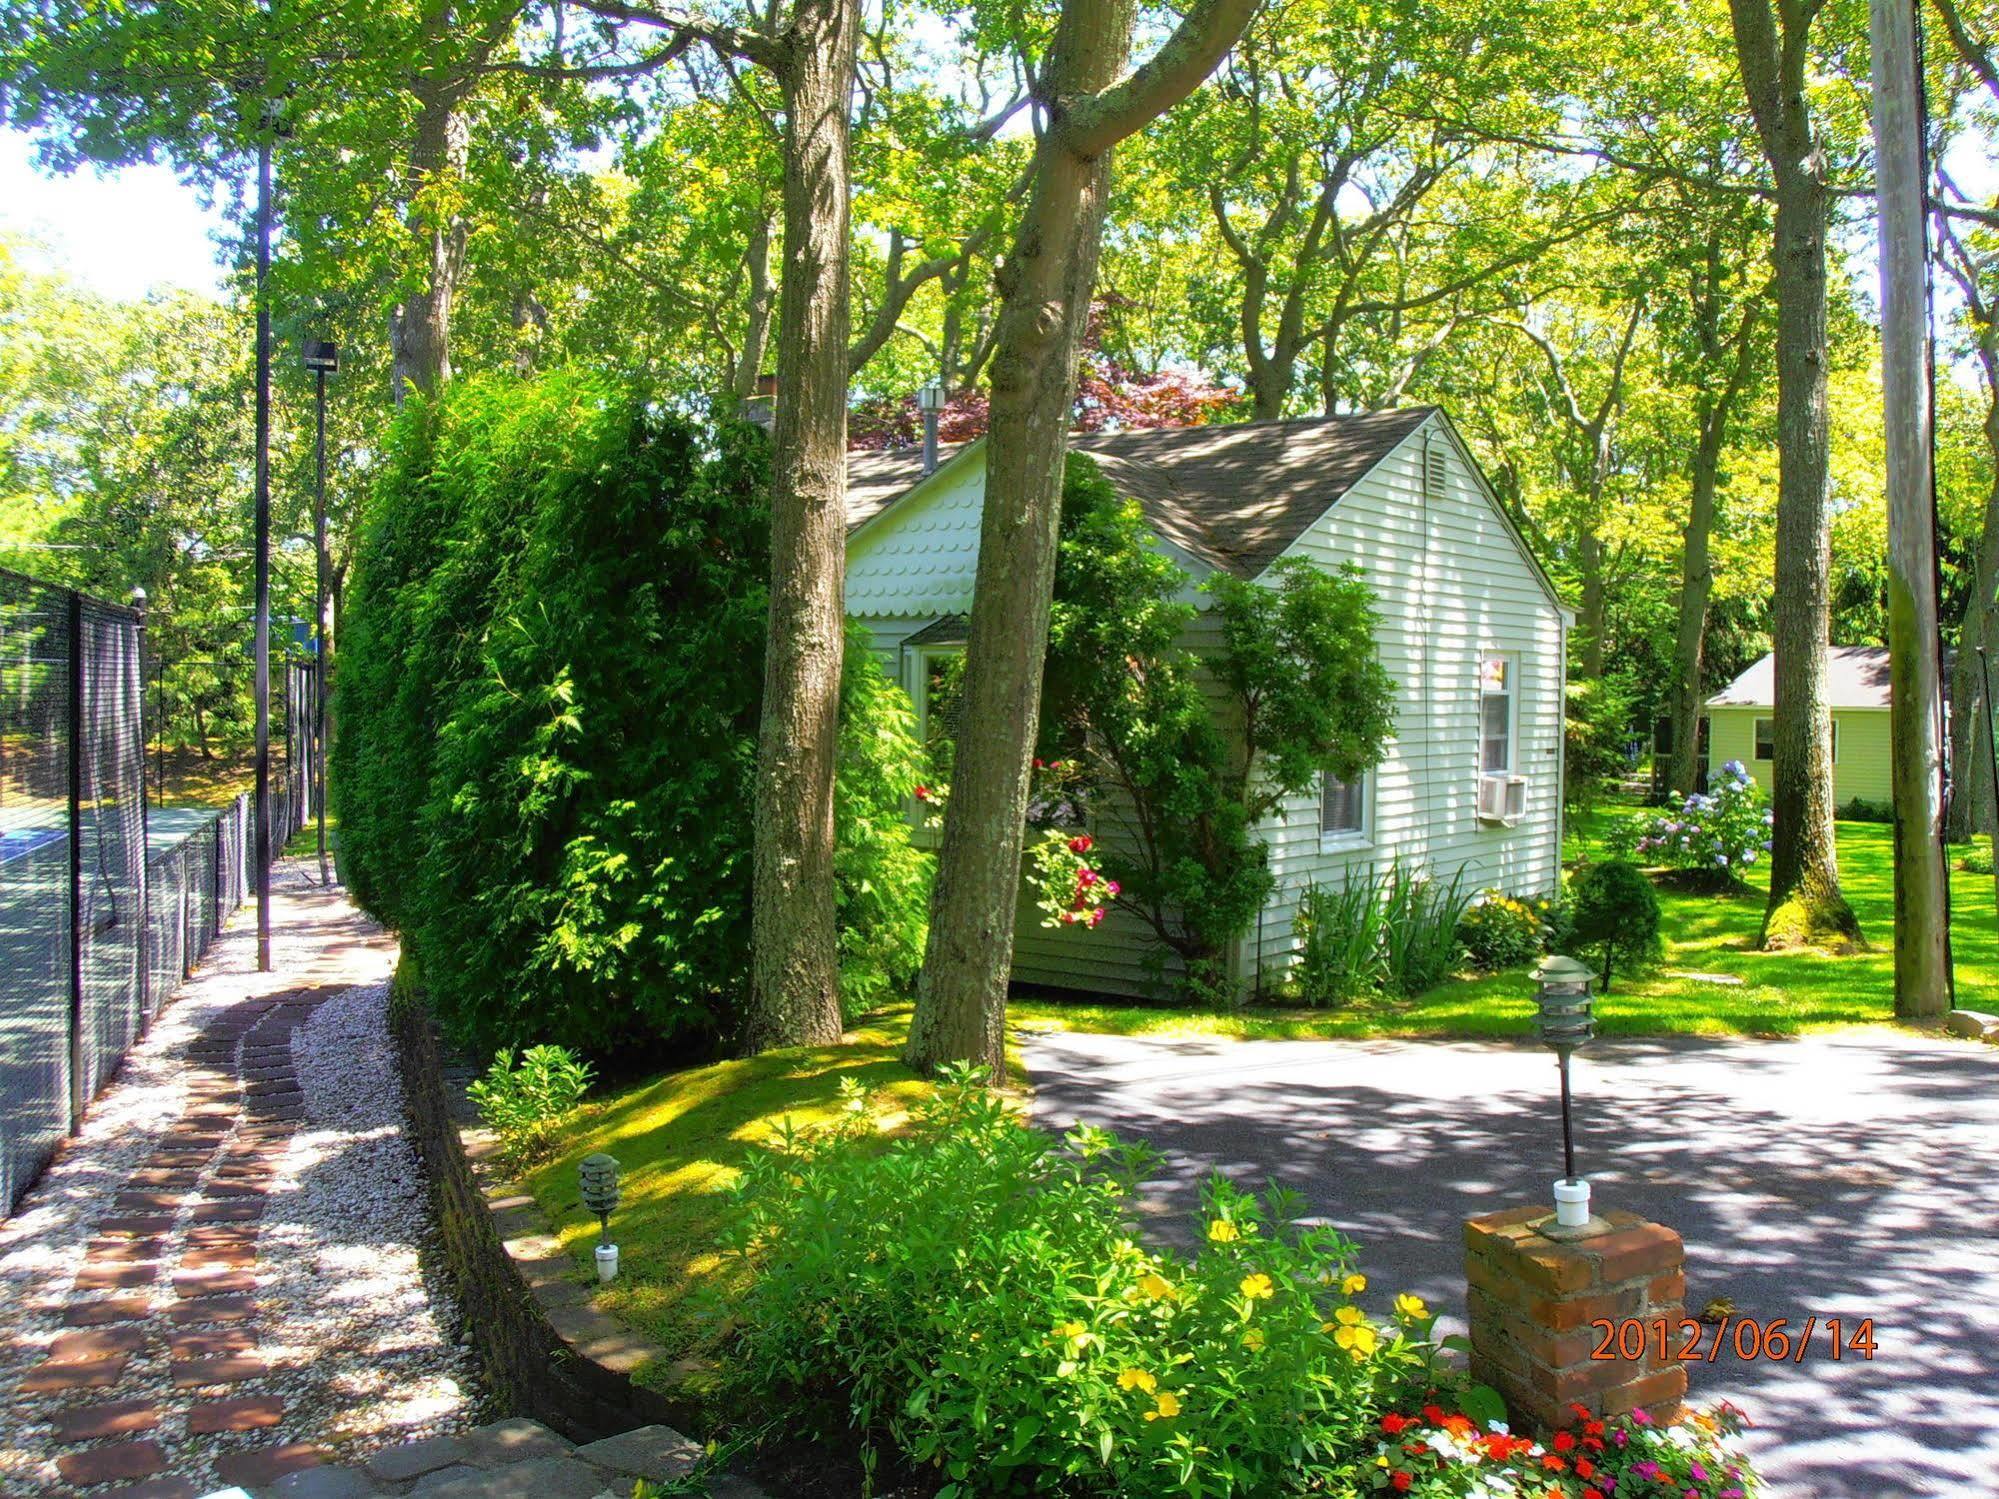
x=105, y=903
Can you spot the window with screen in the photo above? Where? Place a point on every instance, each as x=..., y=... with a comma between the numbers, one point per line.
x=1766, y=738
x=1342, y=806
x=1495, y=715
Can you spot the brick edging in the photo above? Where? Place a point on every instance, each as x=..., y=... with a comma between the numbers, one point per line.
x=545, y=1350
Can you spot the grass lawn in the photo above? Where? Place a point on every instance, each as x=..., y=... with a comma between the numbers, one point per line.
x=681, y=1140
x=1713, y=979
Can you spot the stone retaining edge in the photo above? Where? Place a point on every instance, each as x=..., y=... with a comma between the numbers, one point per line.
x=546, y=1351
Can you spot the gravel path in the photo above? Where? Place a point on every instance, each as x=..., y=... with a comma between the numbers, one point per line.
x=1844, y=1175
x=220, y=1281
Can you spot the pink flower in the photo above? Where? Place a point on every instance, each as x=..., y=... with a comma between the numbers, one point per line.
x=1097, y=917
x=1086, y=877
x=1111, y=887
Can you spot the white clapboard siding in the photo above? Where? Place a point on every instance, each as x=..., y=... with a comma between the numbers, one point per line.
x=1451, y=584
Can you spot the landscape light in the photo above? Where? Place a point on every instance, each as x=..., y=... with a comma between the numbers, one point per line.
x=1563, y=1021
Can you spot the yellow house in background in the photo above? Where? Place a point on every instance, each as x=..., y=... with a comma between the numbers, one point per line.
x=1740, y=717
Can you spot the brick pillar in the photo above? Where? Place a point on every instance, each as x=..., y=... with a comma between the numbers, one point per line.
x=1532, y=1298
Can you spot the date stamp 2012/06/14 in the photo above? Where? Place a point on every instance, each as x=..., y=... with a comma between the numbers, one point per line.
x=1688, y=1341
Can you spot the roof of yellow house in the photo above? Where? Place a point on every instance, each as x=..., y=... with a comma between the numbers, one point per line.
x=1856, y=677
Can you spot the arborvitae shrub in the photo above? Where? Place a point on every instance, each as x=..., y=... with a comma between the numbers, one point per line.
x=548, y=702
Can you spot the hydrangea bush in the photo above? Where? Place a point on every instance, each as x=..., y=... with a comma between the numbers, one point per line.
x=1721, y=833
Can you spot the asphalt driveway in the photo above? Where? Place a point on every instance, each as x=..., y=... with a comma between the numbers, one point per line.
x=1851, y=1175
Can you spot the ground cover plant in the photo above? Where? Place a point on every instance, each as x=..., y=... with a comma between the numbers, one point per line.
x=548, y=705
x=1712, y=978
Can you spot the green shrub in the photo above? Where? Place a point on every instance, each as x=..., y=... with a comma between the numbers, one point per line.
x=1860, y=809
x=1502, y=931
x=1394, y=929
x=523, y=1102
x=1420, y=928
x=971, y=1295
x=1339, y=936
x=1977, y=857
x=548, y=703
x=1614, y=915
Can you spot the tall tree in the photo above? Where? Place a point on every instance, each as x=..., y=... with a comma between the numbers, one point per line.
x=1712, y=347
x=1774, y=52
x=1922, y=892
x=1045, y=283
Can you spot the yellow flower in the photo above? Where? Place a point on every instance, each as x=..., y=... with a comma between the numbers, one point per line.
x=1258, y=1287
x=1221, y=1231
x=1163, y=1404
x=1353, y=1285
x=1349, y=1316
x=1253, y=1340
x=1070, y=1330
x=1155, y=1286
x=1359, y=1341
x=1412, y=1307
x=1137, y=1379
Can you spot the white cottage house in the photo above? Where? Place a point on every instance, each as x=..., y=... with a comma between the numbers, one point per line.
x=1472, y=632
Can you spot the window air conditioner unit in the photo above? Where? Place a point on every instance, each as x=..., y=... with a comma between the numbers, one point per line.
x=1502, y=799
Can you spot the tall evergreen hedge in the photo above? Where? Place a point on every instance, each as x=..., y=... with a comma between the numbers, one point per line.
x=547, y=700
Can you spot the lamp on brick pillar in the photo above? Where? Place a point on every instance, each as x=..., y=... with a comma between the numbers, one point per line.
x=1563, y=1021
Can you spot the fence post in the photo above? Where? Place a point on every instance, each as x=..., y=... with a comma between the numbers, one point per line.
x=76, y=1050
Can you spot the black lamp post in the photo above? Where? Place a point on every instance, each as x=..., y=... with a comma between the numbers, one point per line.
x=322, y=359
x=1563, y=1021
x=261, y=855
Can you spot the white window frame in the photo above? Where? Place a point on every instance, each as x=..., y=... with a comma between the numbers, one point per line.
x=1756, y=741
x=1341, y=838
x=919, y=687
x=1511, y=772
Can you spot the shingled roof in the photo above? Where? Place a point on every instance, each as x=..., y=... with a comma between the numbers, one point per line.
x=1234, y=496
x=1856, y=676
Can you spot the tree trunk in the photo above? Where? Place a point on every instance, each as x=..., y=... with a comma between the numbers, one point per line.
x=1805, y=900
x=1922, y=888
x=1592, y=617
x=1696, y=586
x=795, y=970
x=1806, y=904
x=1970, y=757
x=756, y=326
x=1045, y=284
x=420, y=336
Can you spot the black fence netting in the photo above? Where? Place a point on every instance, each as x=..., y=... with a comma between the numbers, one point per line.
x=104, y=908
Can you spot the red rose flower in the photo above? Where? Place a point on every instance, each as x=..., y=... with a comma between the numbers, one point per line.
x=1592, y=1494
x=1082, y=843
x=1434, y=1414
x=1401, y=1480
x=1585, y=1468
x=1393, y=1424
x=1564, y=1442
x=923, y=793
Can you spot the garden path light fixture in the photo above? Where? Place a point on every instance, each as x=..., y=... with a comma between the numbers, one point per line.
x=1563, y=1021
x=599, y=1178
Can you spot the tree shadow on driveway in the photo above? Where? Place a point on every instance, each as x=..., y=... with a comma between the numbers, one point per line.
x=1848, y=1175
